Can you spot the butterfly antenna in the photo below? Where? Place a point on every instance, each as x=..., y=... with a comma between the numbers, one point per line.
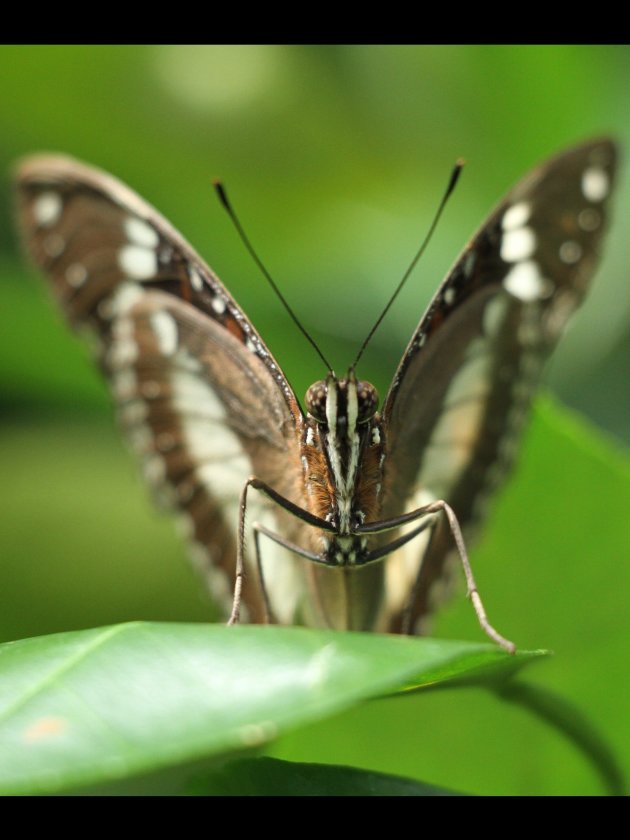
x=220, y=189
x=451, y=186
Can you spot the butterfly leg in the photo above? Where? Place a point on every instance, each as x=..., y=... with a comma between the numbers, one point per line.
x=441, y=506
x=289, y=506
x=239, y=574
x=258, y=530
x=471, y=586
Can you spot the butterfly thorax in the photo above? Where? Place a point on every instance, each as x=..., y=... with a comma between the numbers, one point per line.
x=342, y=459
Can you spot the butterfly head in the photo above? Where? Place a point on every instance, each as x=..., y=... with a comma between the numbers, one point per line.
x=342, y=405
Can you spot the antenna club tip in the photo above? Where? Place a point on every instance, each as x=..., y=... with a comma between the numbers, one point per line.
x=220, y=190
x=457, y=171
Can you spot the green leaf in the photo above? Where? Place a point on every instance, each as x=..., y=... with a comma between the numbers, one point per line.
x=272, y=777
x=99, y=705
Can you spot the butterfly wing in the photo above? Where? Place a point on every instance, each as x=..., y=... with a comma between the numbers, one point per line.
x=200, y=396
x=461, y=394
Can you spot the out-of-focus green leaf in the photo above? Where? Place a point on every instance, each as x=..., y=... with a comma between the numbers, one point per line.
x=99, y=705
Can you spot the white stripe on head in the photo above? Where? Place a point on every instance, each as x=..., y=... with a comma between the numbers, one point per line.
x=352, y=404
x=331, y=406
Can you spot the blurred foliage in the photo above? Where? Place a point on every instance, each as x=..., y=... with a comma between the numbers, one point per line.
x=335, y=157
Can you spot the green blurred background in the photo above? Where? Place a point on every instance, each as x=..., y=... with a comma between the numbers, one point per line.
x=336, y=158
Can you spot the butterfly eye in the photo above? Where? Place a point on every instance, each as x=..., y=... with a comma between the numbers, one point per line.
x=316, y=400
x=367, y=398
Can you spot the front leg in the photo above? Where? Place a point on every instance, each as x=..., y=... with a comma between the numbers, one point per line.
x=290, y=507
x=440, y=506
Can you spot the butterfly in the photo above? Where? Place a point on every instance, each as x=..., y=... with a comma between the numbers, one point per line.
x=355, y=515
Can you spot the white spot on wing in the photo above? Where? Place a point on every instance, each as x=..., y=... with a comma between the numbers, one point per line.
x=137, y=262
x=595, y=183
x=526, y=283
x=140, y=437
x=218, y=304
x=516, y=216
x=124, y=384
x=47, y=208
x=141, y=233
x=589, y=219
x=570, y=252
x=150, y=389
x=124, y=348
x=76, y=275
x=518, y=245
x=196, y=280
x=165, y=329
x=449, y=296
x=134, y=413
x=154, y=469
x=125, y=296
x=469, y=263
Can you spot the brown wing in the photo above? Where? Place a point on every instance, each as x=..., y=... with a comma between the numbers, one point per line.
x=459, y=399
x=200, y=396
